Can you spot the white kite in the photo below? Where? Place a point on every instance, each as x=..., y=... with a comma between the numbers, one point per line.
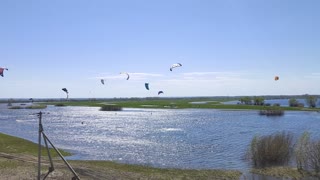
x=175, y=66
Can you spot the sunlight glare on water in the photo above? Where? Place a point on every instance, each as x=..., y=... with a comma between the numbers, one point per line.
x=187, y=138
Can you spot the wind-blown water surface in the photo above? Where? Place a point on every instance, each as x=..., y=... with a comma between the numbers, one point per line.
x=187, y=138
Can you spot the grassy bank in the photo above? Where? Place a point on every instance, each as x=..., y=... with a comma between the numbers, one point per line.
x=22, y=164
x=11, y=144
x=173, y=103
x=36, y=106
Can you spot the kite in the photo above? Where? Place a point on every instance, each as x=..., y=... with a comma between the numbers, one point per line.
x=175, y=65
x=160, y=92
x=276, y=78
x=65, y=90
x=146, y=85
x=102, y=81
x=1, y=71
x=126, y=74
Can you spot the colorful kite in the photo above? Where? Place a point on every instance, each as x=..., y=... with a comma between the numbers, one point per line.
x=1, y=71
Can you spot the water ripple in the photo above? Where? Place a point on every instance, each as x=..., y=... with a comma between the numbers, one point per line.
x=189, y=138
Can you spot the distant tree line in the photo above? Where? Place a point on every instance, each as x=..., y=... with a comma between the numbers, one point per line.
x=295, y=103
x=259, y=101
x=310, y=100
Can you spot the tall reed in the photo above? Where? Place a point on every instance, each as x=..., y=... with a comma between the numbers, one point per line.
x=271, y=150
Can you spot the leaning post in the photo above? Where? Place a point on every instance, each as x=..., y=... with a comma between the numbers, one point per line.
x=39, y=145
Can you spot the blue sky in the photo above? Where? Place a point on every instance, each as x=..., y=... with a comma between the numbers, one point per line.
x=226, y=47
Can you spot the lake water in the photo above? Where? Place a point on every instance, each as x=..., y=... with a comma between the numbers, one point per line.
x=187, y=138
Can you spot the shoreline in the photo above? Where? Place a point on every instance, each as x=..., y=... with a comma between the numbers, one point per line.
x=23, y=166
x=17, y=163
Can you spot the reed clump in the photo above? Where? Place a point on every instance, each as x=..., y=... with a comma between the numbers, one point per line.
x=272, y=111
x=110, y=108
x=307, y=153
x=271, y=153
x=271, y=150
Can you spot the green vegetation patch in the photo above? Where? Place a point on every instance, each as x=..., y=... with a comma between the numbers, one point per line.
x=270, y=155
x=175, y=103
x=10, y=144
x=108, y=107
x=15, y=107
x=5, y=163
x=145, y=172
x=36, y=106
x=272, y=111
x=270, y=150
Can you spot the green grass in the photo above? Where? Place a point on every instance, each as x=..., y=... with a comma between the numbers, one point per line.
x=11, y=144
x=8, y=164
x=140, y=103
x=175, y=103
x=161, y=173
x=35, y=106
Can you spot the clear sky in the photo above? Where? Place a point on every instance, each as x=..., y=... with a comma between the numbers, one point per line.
x=226, y=47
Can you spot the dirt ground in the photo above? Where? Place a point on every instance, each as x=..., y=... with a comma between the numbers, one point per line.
x=18, y=167
x=25, y=167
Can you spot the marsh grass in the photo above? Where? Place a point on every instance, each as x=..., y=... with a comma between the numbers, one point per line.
x=307, y=153
x=272, y=111
x=270, y=156
x=38, y=106
x=301, y=151
x=110, y=108
x=314, y=156
x=271, y=150
x=35, y=106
